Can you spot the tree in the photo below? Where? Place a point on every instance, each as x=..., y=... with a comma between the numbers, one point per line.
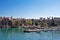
x=37, y=23
x=17, y=23
x=52, y=22
x=29, y=22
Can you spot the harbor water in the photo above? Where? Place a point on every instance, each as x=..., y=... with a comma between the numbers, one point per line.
x=18, y=34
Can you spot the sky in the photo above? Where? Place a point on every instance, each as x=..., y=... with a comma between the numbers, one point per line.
x=30, y=8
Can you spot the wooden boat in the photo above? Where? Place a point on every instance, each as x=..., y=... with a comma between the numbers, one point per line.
x=29, y=30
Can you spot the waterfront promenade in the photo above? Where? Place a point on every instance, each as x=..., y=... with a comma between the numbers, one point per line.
x=30, y=24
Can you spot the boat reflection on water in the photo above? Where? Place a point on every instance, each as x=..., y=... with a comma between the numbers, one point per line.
x=17, y=34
